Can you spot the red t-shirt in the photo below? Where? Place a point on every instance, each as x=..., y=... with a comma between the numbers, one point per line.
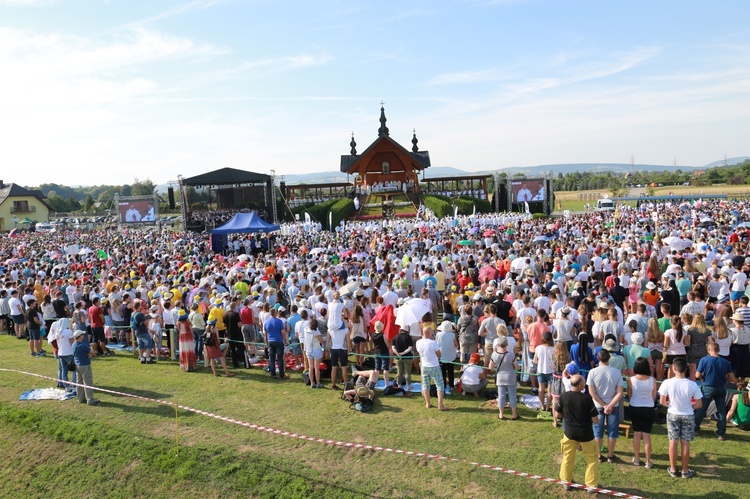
x=246, y=315
x=96, y=314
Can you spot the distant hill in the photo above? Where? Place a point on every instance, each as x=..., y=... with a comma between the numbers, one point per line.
x=449, y=171
x=728, y=161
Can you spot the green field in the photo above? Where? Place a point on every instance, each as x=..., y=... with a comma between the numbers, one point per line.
x=127, y=448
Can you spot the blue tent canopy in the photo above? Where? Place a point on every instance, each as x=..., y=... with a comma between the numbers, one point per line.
x=245, y=222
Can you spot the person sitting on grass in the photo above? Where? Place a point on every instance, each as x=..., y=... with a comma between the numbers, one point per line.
x=364, y=386
x=474, y=377
x=682, y=396
x=739, y=412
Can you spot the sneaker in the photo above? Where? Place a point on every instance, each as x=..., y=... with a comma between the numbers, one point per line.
x=41, y=354
x=720, y=437
x=33, y=354
x=673, y=473
x=447, y=390
x=143, y=361
x=636, y=462
x=566, y=487
x=534, y=391
x=92, y=402
x=649, y=465
x=688, y=474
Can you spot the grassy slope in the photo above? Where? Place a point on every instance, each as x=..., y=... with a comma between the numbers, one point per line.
x=126, y=448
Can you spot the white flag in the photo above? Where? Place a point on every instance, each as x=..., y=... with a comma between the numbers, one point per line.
x=455, y=212
x=330, y=220
x=307, y=218
x=526, y=204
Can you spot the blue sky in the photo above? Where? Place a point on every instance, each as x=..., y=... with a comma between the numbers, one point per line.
x=96, y=92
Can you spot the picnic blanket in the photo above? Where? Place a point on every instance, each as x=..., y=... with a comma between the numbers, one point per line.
x=46, y=394
x=120, y=346
x=414, y=387
x=531, y=401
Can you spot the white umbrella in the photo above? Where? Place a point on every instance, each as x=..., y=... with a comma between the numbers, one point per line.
x=678, y=243
x=315, y=251
x=350, y=288
x=243, y=258
x=85, y=251
x=412, y=311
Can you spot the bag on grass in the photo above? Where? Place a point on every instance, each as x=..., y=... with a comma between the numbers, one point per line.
x=433, y=391
x=392, y=390
x=490, y=394
x=362, y=405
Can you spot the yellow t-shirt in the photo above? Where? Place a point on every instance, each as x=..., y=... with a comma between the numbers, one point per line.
x=218, y=314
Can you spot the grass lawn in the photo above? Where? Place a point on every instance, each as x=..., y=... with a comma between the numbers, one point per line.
x=126, y=448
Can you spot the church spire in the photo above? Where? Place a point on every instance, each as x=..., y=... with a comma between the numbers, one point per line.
x=383, y=130
x=414, y=141
x=353, y=145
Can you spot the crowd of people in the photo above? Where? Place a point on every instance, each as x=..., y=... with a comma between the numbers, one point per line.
x=587, y=310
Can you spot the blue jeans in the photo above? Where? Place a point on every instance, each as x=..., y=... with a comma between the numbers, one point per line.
x=613, y=424
x=719, y=395
x=198, y=339
x=276, y=352
x=62, y=370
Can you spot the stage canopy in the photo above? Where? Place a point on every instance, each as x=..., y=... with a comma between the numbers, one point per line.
x=227, y=176
x=245, y=223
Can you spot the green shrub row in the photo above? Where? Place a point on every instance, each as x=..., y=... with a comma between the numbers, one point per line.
x=439, y=205
x=341, y=209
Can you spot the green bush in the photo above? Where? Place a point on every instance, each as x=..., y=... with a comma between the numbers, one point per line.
x=482, y=205
x=340, y=209
x=197, y=206
x=539, y=215
x=439, y=205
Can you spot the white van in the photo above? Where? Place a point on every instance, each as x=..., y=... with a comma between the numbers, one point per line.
x=43, y=227
x=604, y=204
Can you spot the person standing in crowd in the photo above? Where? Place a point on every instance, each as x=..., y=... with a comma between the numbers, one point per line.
x=448, y=344
x=682, y=396
x=198, y=325
x=34, y=327
x=96, y=317
x=215, y=350
x=504, y=363
x=605, y=385
x=739, y=352
x=140, y=326
x=276, y=339
x=382, y=351
x=580, y=417
x=641, y=394
x=185, y=336
x=403, y=352
x=82, y=354
x=313, y=346
x=340, y=345
x=234, y=335
x=429, y=355
x=714, y=372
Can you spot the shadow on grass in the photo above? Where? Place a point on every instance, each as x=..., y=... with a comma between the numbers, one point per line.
x=153, y=410
x=135, y=391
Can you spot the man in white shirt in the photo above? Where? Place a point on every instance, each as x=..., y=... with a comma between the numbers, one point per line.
x=429, y=354
x=17, y=313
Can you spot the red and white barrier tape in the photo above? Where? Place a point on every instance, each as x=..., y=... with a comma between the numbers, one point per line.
x=340, y=443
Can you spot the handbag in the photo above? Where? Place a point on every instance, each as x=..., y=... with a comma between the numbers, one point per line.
x=72, y=363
